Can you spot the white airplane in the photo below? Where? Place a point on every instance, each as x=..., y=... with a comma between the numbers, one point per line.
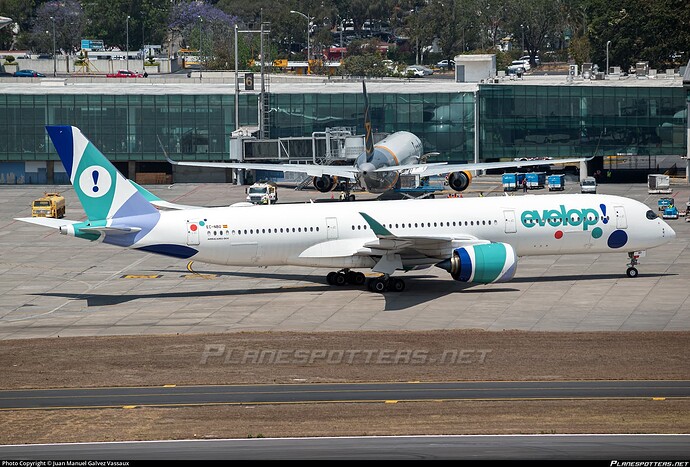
x=379, y=167
x=477, y=240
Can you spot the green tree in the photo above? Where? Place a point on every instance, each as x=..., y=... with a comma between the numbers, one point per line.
x=540, y=21
x=639, y=31
x=370, y=65
x=364, y=59
x=107, y=20
x=21, y=12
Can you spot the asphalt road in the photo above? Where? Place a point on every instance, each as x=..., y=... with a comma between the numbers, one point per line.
x=607, y=448
x=182, y=396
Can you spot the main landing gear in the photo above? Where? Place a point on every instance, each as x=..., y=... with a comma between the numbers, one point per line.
x=345, y=276
x=375, y=284
x=632, y=270
x=386, y=283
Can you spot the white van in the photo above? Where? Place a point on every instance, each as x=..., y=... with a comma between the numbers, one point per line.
x=588, y=185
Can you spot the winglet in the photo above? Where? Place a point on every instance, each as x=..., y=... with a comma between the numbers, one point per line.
x=377, y=228
x=165, y=153
x=368, y=139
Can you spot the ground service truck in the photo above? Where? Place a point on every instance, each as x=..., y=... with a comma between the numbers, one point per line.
x=263, y=193
x=50, y=205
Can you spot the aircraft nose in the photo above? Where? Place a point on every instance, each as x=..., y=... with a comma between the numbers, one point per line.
x=669, y=232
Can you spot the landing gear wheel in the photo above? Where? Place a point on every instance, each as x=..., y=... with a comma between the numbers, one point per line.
x=396, y=285
x=377, y=284
x=360, y=278
x=330, y=278
x=632, y=270
x=355, y=278
x=340, y=278
x=351, y=197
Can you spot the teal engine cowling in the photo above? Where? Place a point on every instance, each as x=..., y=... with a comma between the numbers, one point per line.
x=483, y=264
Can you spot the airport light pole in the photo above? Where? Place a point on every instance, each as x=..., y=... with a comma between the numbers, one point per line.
x=127, y=52
x=52, y=18
x=143, y=52
x=607, y=57
x=201, y=20
x=308, y=27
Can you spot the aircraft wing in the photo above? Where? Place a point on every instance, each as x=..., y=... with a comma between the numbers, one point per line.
x=386, y=243
x=313, y=170
x=428, y=170
x=391, y=247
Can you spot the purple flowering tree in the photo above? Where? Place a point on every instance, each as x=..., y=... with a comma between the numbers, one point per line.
x=69, y=21
x=199, y=25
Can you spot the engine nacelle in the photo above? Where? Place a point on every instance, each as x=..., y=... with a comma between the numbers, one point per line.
x=325, y=183
x=483, y=264
x=459, y=181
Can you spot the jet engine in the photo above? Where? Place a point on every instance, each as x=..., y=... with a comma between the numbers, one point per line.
x=325, y=183
x=459, y=181
x=483, y=264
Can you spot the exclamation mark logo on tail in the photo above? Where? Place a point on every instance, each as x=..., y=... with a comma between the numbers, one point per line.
x=95, y=181
x=368, y=139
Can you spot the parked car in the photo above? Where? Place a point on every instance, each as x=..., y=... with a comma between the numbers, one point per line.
x=526, y=59
x=418, y=71
x=443, y=64
x=124, y=74
x=524, y=62
x=517, y=67
x=28, y=74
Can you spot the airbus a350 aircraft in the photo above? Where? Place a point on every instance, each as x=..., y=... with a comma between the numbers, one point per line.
x=477, y=240
x=378, y=168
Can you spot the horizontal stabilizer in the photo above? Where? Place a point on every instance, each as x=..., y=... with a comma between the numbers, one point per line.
x=46, y=221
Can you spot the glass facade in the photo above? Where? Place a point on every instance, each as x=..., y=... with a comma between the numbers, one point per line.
x=443, y=121
x=514, y=121
x=574, y=121
x=124, y=127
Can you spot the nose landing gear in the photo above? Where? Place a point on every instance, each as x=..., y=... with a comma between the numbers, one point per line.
x=632, y=270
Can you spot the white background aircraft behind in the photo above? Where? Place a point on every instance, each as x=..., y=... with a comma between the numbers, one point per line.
x=379, y=167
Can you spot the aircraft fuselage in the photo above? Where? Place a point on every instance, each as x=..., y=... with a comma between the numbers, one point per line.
x=400, y=148
x=336, y=234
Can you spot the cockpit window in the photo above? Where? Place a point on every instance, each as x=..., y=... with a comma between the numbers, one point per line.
x=651, y=215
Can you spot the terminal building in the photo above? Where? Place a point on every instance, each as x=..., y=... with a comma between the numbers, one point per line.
x=638, y=124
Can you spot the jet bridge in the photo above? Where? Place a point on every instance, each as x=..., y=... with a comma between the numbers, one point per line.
x=334, y=145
